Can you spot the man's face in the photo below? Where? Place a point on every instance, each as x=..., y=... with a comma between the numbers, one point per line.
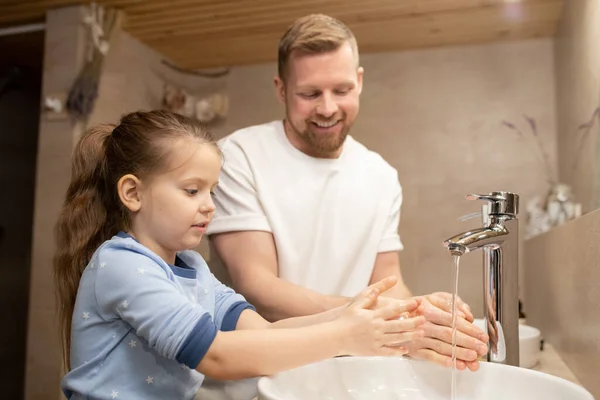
x=321, y=97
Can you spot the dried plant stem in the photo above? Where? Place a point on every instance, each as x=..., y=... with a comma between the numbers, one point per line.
x=586, y=128
x=83, y=93
x=540, y=155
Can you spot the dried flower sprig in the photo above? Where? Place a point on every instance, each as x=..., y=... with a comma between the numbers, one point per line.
x=545, y=159
x=84, y=92
x=586, y=128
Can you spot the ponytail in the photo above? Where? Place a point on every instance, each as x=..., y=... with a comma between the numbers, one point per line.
x=83, y=224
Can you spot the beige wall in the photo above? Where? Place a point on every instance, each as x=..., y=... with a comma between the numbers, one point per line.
x=436, y=116
x=578, y=94
x=128, y=82
x=563, y=293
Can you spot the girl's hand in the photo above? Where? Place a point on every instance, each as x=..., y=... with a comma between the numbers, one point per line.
x=367, y=331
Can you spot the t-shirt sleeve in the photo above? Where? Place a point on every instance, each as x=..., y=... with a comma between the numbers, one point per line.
x=390, y=240
x=135, y=288
x=238, y=207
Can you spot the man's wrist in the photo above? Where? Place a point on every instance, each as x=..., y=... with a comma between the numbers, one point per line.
x=339, y=301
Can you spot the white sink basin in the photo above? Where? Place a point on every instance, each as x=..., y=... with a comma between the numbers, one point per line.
x=387, y=378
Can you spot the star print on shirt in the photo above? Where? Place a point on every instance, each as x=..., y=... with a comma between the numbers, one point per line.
x=86, y=316
x=102, y=265
x=92, y=265
x=114, y=394
x=132, y=344
x=150, y=380
x=141, y=271
x=125, y=304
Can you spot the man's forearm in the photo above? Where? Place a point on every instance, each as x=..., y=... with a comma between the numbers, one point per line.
x=399, y=291
x=276, y=299
x=388, y=264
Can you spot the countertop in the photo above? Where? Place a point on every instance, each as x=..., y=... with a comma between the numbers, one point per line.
x=551, y=363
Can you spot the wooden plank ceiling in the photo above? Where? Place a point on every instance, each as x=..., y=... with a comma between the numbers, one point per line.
x=213, y=33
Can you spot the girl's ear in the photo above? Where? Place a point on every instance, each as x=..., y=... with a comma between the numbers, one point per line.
x=129, y=188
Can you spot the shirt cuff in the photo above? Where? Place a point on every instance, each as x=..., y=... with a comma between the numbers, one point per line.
x=196, y=345
x=391, y=243
x=233, y=314
x=235, y=223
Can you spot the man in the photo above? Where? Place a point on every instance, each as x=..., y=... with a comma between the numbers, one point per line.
x=306, y=216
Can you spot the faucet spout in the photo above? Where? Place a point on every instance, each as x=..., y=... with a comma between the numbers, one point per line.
x=456, y=249
x=466, y=242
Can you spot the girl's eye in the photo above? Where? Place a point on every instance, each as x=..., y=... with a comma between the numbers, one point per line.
x=191, y=191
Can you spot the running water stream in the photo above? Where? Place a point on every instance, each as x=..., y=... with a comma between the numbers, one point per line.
x=456, y=263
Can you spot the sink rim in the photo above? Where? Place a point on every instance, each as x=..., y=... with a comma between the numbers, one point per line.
x=263, y=384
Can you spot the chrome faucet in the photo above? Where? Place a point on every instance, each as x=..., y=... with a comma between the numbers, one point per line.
x=499, y=241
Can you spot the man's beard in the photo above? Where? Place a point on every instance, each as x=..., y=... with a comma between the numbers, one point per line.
x=322, y=144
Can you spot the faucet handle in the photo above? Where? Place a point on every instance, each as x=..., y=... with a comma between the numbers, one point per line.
x=470, y=216
x=489, y=197
x=504, y=203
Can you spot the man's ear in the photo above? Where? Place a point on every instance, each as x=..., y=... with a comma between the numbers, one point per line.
x=359, y=78
x=129, y=187
x=279, y=88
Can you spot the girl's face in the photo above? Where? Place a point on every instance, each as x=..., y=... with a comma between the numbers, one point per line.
x=175, y=207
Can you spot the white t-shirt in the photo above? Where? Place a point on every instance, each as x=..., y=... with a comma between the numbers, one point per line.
x=329, y=217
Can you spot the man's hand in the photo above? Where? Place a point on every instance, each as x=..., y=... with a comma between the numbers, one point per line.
x=436, y=346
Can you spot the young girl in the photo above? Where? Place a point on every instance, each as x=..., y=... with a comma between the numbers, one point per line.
x=141, y=315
